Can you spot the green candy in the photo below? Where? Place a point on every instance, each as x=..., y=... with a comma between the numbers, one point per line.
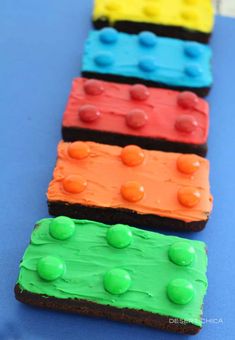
x=62, y=228
x=182, y=253
x=180, y=291
x=50, y=268
x=119, y=236
x=117, y=281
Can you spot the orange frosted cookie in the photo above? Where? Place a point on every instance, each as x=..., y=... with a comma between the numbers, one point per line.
x=130, y=185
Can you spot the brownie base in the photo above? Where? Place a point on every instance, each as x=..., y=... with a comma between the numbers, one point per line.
x=200, y=91
x=85, y=307
x=71, y=134
x=134, y=27
x=117, y=215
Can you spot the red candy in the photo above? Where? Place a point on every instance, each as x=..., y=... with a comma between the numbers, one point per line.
x=93, y=87
x=188, y=100
x=139, y=92
x=136, y=119
x=88, y=113
x=186, y=123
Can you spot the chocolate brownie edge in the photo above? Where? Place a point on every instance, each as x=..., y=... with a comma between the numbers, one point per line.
x=93, y=309
x=71, y=134
x=117, y=215
x=200, y=91
x=133, y=27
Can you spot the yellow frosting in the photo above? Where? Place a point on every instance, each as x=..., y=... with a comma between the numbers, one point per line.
x=192, y=14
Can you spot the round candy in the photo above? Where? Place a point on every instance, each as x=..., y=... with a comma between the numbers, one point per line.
x=78, y=150
x=189, y=196
x=148, y=39
x=108, y=35
x=188, y=164
x=93, y=87
x=191, y=2
x=136, y=119
x=189, y=15
x=186, y=123
x=104, y=59
x=188, y=100
x=119, y=236
x=132, y=155
x=147, y=64
x=139, y=92
x=193, y=70
x=113, y=5
x=180, y=291
x=182, y=253
x=132, y=191
x=50, y=268
x=192, y=49
x=88, y=113
x=151, y=10
x=117, y=281
x=62, y=228
x=74, y=184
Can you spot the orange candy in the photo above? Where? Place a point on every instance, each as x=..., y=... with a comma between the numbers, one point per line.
x=74, y=184
x=132, y=155
x=132, y=191
x=78, y=150
x=188, y=164
x=189, y=196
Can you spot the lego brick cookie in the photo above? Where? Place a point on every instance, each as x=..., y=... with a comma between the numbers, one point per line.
x=130, y=185
x=182, y=19
x=118, y=272
x=149, y=59
x=122, y=114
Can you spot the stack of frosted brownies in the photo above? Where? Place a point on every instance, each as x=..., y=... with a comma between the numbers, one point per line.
x=135, y=134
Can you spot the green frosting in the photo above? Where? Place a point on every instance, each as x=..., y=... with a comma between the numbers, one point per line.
x=142, y=275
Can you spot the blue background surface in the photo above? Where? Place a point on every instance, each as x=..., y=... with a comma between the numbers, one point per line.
x=41, y=45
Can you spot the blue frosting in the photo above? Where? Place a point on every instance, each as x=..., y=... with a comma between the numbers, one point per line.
x=146, y=56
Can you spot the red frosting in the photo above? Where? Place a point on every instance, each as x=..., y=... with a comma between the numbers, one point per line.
x=137, y=110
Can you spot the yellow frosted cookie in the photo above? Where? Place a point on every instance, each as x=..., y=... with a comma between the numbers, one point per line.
x=183, y=19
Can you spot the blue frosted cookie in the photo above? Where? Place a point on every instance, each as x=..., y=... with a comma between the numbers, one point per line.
x=149, y=59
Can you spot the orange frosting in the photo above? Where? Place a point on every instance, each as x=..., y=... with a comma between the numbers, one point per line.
x=148, y=182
